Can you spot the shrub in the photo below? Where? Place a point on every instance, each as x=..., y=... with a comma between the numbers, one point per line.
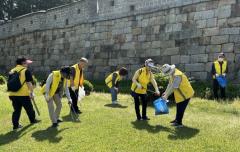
x=2, y=80
x=162, y=82
x=233, y=91
x=204, y=90
x=35, y=81
x=88, y=87
x=124, y=86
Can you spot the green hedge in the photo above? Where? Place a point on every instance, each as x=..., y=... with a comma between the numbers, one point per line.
x=100, y=86
x=2, y=80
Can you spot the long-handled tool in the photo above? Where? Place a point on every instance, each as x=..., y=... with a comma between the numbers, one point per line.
x=73, y=113
x=35, y=106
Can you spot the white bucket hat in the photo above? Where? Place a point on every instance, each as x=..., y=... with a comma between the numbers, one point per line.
x=149, y=63
x=168, y=69
x=84, y=60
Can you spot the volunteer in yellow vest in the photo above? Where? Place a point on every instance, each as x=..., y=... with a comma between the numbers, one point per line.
x=219, y=68
x=112, y=82
x=180, y=86
x=140, y=81
x=76, y=81
x=56, y=85
x=22, y=97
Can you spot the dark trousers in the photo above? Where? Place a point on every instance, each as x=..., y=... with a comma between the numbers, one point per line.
x=181, y=107
x=137, y=104
x=216, y=87
x=74, y=97
x=18, y=103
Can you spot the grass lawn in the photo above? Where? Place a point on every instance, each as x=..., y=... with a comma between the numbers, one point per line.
x=210, y=126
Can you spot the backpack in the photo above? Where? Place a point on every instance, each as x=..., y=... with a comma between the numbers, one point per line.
x=14, y=82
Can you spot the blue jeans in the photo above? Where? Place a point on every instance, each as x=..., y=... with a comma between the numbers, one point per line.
x=113, y=94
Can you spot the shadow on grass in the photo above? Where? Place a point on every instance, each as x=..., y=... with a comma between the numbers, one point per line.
x=115, y=106
x=175, y=133
x=50, y=134
x=68, y=118
x=144, y=125
x=183, y=133
x=13, y=135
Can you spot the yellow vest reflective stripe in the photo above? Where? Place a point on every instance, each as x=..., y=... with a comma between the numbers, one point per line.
x=185, y=90
x=143, y=79
x=78, y=79
x=108, y=80
x=24, y=91
x=218, y=68
x=55, y=82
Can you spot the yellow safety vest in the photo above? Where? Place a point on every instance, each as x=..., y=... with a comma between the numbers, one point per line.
x=78, y=79
x=218, y=67
x=144, y=78
x=108, y=80
x=185, y=90
x=55, y=82
x=24, y=91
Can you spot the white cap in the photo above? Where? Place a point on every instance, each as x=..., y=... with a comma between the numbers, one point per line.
x=168, y=69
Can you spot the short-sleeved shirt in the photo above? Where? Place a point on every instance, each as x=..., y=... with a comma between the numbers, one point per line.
x=28, y=76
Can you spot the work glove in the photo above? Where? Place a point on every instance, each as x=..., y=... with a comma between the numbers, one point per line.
x=47, y=97
x=73, y=88
x=139, y=86
x=116, y=89
x=224, y=74
x=70, y=101
x=32, y=95
x=157, y=93
x=164, y=97
x=217, y=75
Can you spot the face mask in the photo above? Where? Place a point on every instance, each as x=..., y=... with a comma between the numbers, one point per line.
x=220, y=59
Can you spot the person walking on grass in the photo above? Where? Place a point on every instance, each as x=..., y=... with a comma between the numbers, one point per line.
x=219, y=68
x=112, y=82
x=140, y=81
x=76, y=81
x=56, y=85
x=180, y=86
x=21, y=97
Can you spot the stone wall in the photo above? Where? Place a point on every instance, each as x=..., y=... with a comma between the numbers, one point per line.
x=188, y=33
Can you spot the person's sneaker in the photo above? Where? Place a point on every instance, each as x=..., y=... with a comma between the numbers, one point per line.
x=35, y=121
x=145, y=118
x=115, y=102
x=139, y=119
x=78, y=112
x=54, y=125
x=59, y=121
x=174, y=121
x=177, y=125
x=17, y=127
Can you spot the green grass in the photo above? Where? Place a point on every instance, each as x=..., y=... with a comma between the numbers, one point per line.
x=210, y=126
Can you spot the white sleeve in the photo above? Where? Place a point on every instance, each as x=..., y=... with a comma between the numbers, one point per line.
x=48, y=83
x=177, y=81
x=67, y=92
x=169, y=90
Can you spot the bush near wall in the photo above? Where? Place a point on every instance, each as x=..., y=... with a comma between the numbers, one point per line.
x=202, y=89
x=2, y=80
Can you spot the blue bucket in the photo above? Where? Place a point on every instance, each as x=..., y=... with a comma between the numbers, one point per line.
x=222, y=81
x=160, y=106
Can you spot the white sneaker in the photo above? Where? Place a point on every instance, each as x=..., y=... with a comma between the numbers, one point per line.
x=115, y=102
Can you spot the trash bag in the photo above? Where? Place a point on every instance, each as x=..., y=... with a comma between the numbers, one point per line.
x=160, y=106
x=81, y=93
x=222, y=81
